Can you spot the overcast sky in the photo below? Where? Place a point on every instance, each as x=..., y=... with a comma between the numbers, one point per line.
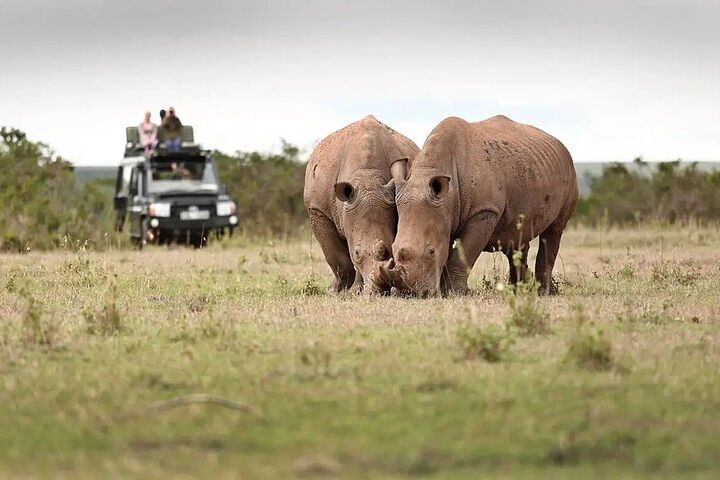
x=611, y=79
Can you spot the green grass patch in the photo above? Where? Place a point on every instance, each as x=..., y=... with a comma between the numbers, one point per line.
x=192, y=364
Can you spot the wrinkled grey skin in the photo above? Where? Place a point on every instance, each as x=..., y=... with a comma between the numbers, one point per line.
x=350, y=198
x=492, y=185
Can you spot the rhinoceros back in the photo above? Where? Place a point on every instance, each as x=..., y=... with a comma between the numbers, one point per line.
x=536, y=169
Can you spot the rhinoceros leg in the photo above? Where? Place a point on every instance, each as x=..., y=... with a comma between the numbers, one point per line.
x=518, y=273
x=357, y=286
x=547, y=252
x=472, y=241
x=334, y=249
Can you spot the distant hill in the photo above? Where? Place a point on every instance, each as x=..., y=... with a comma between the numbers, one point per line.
x=84, y=174
x=585, y=171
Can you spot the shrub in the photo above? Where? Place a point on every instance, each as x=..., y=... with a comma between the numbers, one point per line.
x=40, y=199
x=268, y=189
x=106, y=320
x=489, y=343
x=527, y=314
x=316, y=358
x=36, y=329
x=674, y=274
x=668, y=192
x=588, y=347
x=645, y=314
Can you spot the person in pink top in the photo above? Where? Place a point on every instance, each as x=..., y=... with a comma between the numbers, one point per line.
x=148, y=134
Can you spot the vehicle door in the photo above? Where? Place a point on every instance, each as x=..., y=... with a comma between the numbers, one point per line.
x=122, y=190
x=136, y=201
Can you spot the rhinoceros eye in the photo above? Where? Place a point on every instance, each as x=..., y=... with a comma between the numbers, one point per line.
x=383, y=253
x=345, y=192
x=439, y=185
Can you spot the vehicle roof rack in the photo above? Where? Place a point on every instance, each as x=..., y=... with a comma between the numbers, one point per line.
x=184, y=151
x=133, y=146
x=132, y=134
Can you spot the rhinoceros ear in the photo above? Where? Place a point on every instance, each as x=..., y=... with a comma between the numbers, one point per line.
x=439, y=185
x=399, y=169
x=344, y=192
x=389, y=191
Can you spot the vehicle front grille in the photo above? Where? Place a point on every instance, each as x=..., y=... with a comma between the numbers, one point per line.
x=176, y=209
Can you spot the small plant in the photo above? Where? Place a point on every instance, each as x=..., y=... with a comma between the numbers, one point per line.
x=489, y=343
x=490, y=283
x=198, y=303
x=675, y=274
x=275, y=257
x=626, y=272
x=645, y=313
x=106, y=320
x=283, y=287
x=213, y=327
x=588, y=347
x=36, y=330
x=527, y=314
x=311, y=287
x=11, y=285
x=81, y=271
x=317, y=358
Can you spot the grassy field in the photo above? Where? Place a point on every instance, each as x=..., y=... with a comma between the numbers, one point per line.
x=232, y=362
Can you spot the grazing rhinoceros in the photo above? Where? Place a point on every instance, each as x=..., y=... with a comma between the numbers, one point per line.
x=350, y=198
x=474, y=187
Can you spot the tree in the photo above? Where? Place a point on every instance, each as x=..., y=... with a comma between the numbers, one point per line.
x=39, y=200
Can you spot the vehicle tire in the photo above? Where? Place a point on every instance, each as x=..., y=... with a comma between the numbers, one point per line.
x=164, y=237
x=198, y=240
x=141, y=242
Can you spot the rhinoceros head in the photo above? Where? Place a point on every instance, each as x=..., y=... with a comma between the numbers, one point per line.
x=369, y=220
x=421, y=247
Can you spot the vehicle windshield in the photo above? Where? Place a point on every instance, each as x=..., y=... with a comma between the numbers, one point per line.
x=186, y=174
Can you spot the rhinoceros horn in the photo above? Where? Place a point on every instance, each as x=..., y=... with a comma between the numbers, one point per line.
x=387, y=272
x=391, y=275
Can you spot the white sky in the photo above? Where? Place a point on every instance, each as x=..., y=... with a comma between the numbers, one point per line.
x=612, y=79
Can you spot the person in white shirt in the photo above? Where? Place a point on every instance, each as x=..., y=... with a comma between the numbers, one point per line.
x=148, y=134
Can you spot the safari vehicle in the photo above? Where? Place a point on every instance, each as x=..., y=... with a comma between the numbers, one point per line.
x=168, y=197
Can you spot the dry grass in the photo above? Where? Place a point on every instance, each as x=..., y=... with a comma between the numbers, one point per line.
x=360, y=387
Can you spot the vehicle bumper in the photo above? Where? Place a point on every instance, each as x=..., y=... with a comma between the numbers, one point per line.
x=176, y=224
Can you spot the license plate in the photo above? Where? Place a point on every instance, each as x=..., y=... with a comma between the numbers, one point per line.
x=195, y=215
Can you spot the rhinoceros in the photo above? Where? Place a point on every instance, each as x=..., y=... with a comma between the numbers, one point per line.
x=350, y=198
x=492, y=185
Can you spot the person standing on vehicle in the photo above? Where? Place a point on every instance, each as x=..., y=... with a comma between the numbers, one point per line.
x=148, y=134
x=172, y=128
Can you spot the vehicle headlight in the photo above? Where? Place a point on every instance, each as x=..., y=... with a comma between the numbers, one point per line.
x=160, y=209
x=225, y=209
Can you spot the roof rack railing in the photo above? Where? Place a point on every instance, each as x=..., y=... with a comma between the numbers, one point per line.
x=133, y=145
x=132, y=134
